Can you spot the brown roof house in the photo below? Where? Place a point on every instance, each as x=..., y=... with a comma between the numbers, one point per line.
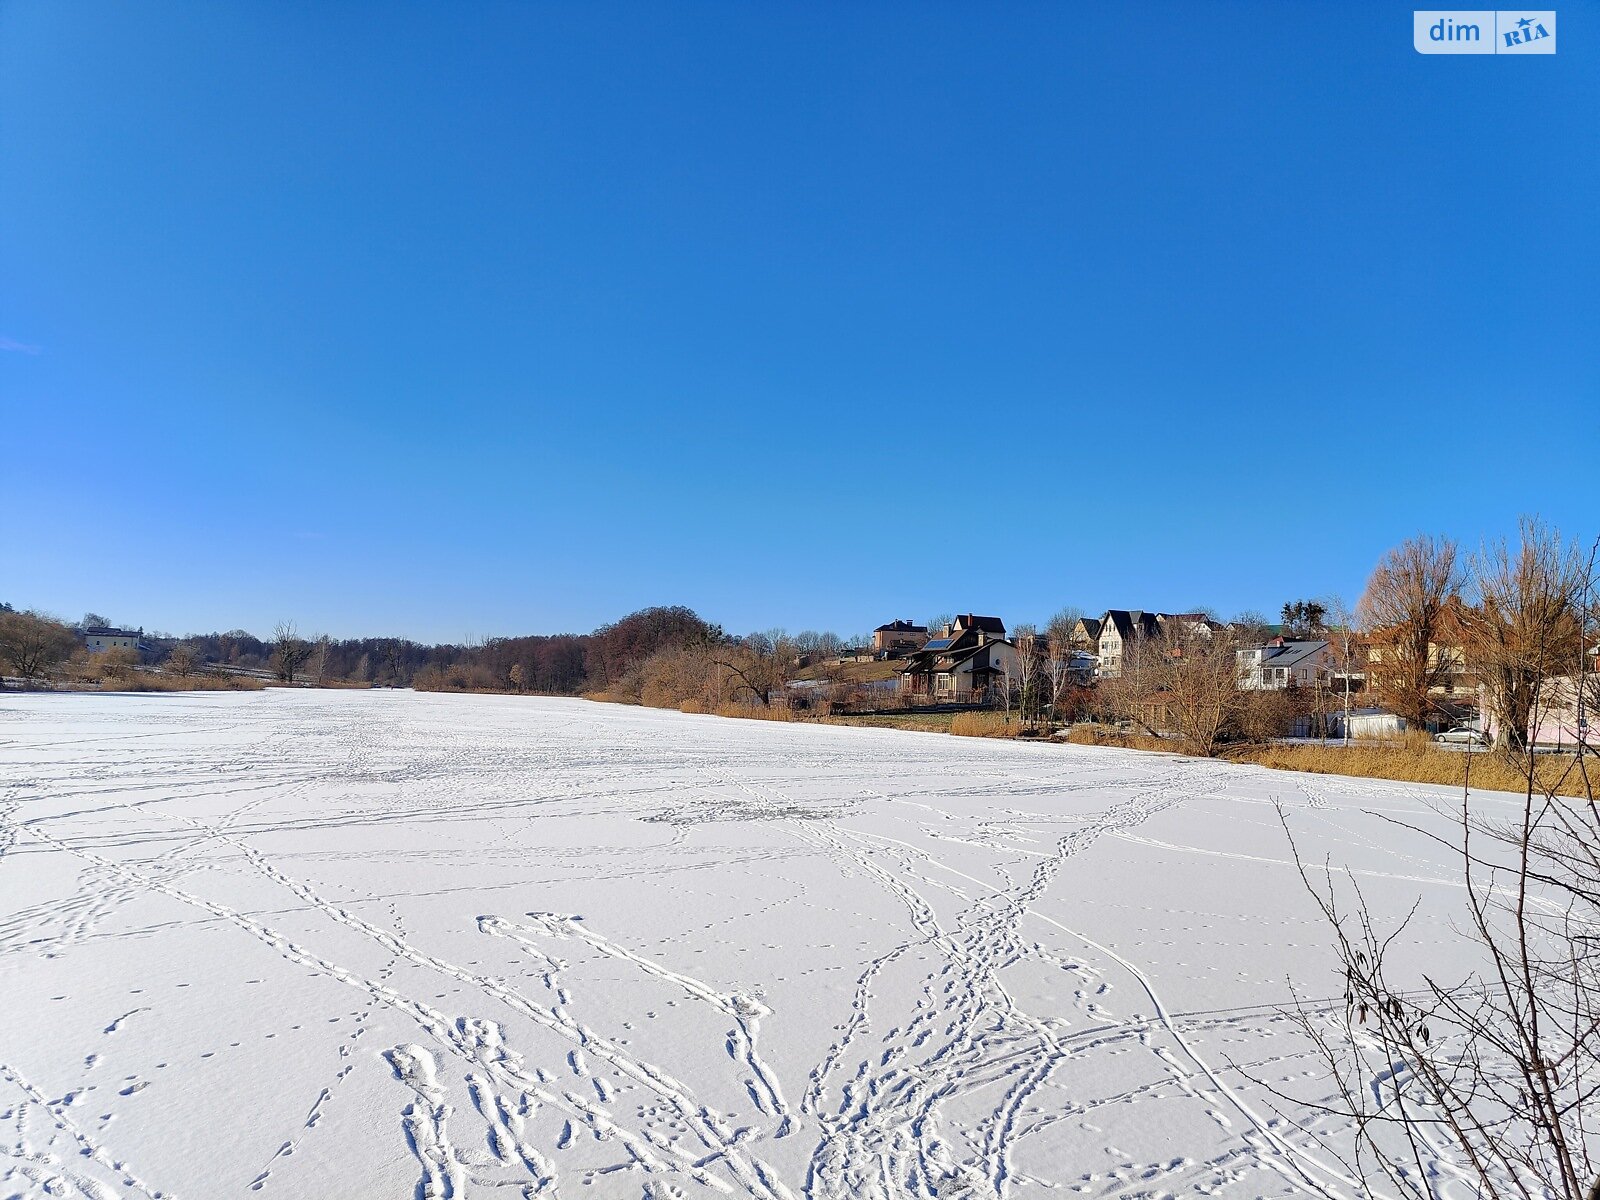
x=897, y=638
x=966, y=663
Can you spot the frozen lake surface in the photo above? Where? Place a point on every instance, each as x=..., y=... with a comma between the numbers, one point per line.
x=364, y=944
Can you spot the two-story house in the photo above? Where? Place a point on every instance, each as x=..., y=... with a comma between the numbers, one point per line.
x=1286, y=663
x=964, y=664
x=1122, y=628
x=99, y=637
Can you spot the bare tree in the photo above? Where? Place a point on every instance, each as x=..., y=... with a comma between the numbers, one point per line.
x=321, y=651
x=1181, y=682
x=1406, y=610
x=759, y=664
x=1058, y=677
x=182, y=659
x=33, y=643
x=1030, y=658
x=289, y=651
x=1346, y=646
x=1526, y=630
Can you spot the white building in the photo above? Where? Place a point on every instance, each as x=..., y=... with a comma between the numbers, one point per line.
x=99, y=637
x=1284, y=663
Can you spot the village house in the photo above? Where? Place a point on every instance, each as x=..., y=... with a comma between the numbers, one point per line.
x=1085, y=635
x=964, y=664
x=1122, y=628
x=1286, y=663
x=97, y=638
x=1447, y=659
x=897, y=638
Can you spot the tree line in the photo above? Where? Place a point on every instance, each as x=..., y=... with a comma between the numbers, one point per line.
x=1434, y=625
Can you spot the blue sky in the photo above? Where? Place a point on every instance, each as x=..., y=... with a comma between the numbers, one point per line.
x=461, y=320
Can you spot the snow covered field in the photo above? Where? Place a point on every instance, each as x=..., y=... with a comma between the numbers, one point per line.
x=356, y=944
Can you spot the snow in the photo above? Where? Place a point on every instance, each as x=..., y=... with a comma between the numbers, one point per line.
x=360, y=944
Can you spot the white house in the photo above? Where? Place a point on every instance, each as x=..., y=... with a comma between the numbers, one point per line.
x=99, y=637
x=1284, y=663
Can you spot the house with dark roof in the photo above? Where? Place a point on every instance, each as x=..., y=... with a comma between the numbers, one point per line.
x=1285, y=663
x=1085, y=634
x=966, y=663
x=1123, y=628
x=102, y=637
x=1120, y=630
x=897, y=638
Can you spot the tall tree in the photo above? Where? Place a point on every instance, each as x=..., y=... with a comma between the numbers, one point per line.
x=1525, y=631
x=33, y=643
x=1406, y=610
x=289, y=651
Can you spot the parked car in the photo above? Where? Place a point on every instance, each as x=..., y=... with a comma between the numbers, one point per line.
x=1462, y=735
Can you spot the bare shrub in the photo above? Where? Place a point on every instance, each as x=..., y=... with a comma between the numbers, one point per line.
x=182, y=659
x=1265, y=715
x=118, y=664
x=457, y=677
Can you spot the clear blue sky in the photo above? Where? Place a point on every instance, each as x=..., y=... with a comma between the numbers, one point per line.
x=491, y=318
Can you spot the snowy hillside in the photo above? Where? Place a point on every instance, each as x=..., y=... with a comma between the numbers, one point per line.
x=355, y=945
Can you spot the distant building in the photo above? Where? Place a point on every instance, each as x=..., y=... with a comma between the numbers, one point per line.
x=1285, y=663
x=99, y=637
x=897, y=638
x=1120, y=629
x=964, y=664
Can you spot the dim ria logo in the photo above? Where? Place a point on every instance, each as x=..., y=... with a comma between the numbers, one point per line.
x=1474, y=31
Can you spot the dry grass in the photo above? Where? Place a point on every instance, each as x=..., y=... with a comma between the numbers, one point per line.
x=1107, y=735
x=605, y=697
x=983, y=724
x=147, y=681
x=911, y=722
x=1416, y=762
x=753, y=712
